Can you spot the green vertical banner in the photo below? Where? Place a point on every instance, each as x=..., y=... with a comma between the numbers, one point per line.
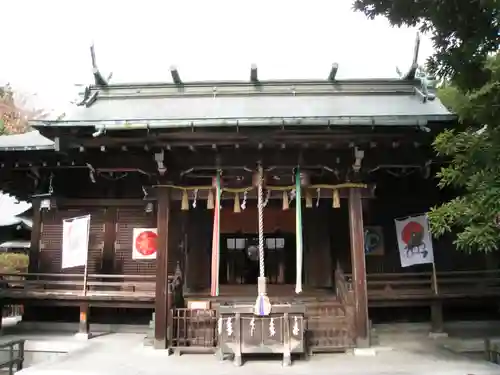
x=214, y=289
x=298, y=232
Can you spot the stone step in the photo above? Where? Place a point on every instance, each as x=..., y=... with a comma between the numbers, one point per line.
x=148, y=341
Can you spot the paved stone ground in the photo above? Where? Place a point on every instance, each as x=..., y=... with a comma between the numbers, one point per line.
x=399, y=353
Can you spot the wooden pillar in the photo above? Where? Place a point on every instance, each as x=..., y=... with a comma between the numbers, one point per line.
x=437, y=322
x=84, y=325
x=162, y=305
x=35, y=237
x=31, y=311
x=2, y=307
x=358, y=267
x=108, y=251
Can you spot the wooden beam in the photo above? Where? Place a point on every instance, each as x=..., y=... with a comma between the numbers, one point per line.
x=69, y=202
x=162, y=305
x=358, y=267
x=251, y=135
x=325, y=195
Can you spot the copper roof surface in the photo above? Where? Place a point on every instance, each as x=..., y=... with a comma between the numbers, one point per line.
x=348, y=102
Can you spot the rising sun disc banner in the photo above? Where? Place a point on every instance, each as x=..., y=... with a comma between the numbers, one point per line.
x=414, y=241
x=144, y=243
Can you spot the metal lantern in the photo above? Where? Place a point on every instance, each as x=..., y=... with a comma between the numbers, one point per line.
x=45, y=204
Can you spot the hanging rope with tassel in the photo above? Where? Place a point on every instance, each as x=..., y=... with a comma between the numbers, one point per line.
x=262, y=305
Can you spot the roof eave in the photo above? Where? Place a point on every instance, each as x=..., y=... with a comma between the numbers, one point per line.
x=134, y=124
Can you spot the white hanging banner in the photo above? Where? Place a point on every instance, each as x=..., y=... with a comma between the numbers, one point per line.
x=414, y=241
x=144, y=243
x=75, y=242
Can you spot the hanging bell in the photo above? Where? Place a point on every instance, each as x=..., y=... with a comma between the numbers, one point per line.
x=185, y=201
x=305, y=179
x=210, y=200
x=286, y=204
x=237, y=207
x=336, y=199
x=256, y=177
x=309, y=200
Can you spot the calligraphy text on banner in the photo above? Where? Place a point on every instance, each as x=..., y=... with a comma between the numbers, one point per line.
x=414, y=241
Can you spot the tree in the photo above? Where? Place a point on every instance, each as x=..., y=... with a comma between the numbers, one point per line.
x=464, y=33
x=466, y=37
x=15, y=112
x=474, y=166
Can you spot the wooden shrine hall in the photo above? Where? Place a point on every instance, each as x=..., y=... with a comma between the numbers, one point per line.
x=203, y=195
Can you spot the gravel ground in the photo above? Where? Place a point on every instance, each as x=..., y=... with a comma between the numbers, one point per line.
x=398, y=353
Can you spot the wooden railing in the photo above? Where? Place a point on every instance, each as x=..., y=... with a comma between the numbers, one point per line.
x=423, y=285
x=25, y=284
x=15, y=350
x=343, y=287
x=193, y=330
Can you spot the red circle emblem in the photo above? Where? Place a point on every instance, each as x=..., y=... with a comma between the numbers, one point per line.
x=145, y=243
x=411, y=229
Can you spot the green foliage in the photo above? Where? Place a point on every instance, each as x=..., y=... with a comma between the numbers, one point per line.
x=474, y=166
x=466, y=38
x=13, y=262
x=463, y=32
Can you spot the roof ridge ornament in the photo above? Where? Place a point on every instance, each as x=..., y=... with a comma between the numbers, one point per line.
x=414, y=66
x=174, y=72
x=254, y=78
x=98, y=78
x=333, y=72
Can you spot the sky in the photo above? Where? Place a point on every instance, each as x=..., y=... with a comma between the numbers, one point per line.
x=46, y=47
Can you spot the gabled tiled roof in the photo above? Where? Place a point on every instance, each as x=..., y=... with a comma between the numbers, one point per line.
x=349, y=102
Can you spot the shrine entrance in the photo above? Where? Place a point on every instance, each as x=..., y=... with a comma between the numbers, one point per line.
x=240, y=258
x=239, y=255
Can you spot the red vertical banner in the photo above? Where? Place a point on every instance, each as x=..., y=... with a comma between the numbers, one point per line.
x=214, y=289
